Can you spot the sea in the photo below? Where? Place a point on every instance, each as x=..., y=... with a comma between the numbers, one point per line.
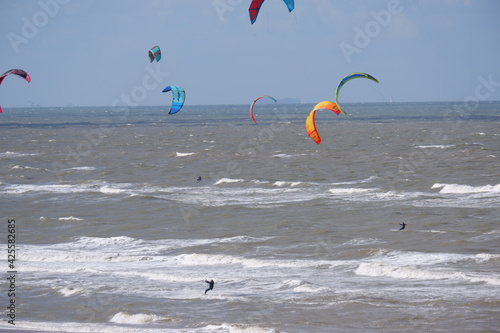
x=106, y=226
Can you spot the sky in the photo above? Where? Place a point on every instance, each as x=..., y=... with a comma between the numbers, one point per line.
x=94, y=52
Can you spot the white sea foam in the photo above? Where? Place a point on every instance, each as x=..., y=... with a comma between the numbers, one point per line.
x=249, y=196
x=124, y=242
x=464, y=189
x=241, y=239
x=419, y=265
x=22, y=188
x=418, y=273
x=69, y=327
x=183, y=154
x=119, y=242
x=70, y=218
x=281, y=155
x=353, y=182
x=435, y=146
x=69, y=291
x=34, y=255
x=303, y=286
x=363, y=242
x=259, y=182
x=44, y=268
x=484, y=257
x=284, y=183
x=158, y=276
x=111, y=190
x=83, y=168
x=309, y=288
x=119, y=249
x=19, y=167
x=291, y=283
x=9, y=154
x=135, y=319
x=409, y=258
x=195, y=259
x=87, y=249
x=236, y=328
x=228, y=180
x=349, y=190
x=401, y=272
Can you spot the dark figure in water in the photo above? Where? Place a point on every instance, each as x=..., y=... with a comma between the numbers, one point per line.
x=403, y=225
x=210, y=285
x=199, y=179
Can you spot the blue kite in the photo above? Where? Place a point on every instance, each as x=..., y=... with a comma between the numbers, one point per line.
x=178, y=97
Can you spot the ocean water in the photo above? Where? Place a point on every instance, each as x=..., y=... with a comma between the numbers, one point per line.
x=113, y=232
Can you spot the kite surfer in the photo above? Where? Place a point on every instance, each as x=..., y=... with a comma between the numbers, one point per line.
x=403, y=225
x=199, y=179
x=210, y=285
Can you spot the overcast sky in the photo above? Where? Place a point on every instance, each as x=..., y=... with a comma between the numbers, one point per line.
x=86, y=52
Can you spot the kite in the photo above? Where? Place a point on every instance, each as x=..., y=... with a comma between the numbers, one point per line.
x=253, y=104
x=256, y=4
x=18, y=72
x=311, y=124
x=349, y=78
x=178, y=97
x=154, y=53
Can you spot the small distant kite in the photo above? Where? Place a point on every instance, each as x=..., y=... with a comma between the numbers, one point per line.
x=18, y=72
x=311, y=124
x=256, y=4
x=253, y=104
x=154, y=53
x=347, y=79
x=178, y=97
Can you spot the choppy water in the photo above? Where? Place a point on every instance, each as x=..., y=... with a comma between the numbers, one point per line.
x=115, y=234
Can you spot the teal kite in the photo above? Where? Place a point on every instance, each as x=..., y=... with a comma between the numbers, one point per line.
x=178, y=97
x=154, y=54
